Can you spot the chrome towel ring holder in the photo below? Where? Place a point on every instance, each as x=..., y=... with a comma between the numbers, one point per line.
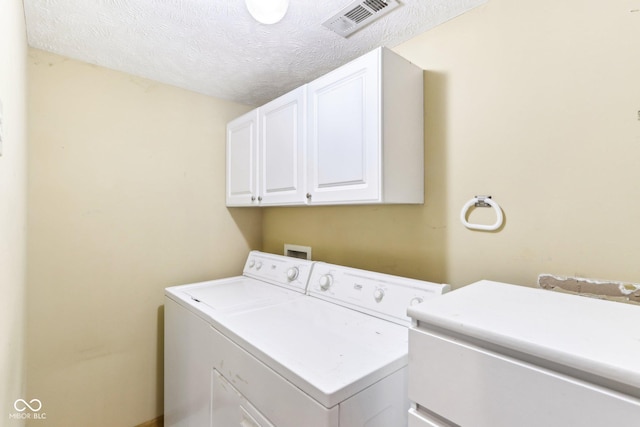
x=482, y=202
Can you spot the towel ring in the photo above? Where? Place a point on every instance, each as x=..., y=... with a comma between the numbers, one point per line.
x=482, y=201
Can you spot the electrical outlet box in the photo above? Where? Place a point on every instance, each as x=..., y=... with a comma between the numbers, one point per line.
x=297, y=251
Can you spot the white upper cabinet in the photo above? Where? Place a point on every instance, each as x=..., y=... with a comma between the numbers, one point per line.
x=353, y=136
x=366, y=142
x=282, y=151
x=266, y=154
x=242, y=160
x=344, y=130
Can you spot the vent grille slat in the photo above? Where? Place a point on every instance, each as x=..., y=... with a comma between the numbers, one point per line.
x=376, y=5
x=359, y=14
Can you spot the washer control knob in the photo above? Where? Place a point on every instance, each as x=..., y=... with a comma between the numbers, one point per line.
x=415, y=301
x=378, y=294
x=325, y=281
x=292, y=273
x=258, y=265
x=251, y=263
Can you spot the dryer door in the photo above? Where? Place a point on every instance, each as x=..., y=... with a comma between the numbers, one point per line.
x=230, y=408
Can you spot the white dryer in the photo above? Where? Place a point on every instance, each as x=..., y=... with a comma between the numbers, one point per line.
x=336, y=357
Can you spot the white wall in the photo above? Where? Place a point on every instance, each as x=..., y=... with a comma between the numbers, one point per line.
x=13, y=47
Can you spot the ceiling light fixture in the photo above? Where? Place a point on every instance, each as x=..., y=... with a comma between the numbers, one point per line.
x=267, y=11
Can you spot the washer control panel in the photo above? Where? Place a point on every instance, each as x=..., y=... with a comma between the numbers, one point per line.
x=378, y=294
x=292, y=273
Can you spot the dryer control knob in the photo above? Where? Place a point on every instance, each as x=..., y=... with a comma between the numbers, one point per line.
x=325, y=281
x=292, y=273
x=378, y=294
x=251, y=263
x=259, y=265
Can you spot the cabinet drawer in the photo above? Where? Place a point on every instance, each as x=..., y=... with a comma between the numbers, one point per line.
x=475, y=387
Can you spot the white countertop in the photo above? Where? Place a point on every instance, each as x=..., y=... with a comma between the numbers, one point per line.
x=595, y=336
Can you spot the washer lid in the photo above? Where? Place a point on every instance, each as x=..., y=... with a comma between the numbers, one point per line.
x=235, y=294
x=328, y=351
x=596, y=340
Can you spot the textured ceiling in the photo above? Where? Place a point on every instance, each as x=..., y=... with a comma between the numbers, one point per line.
x=214, y=47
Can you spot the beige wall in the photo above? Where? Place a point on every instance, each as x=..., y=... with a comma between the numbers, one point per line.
x=126, y=193
x=535, y=103
x=13, y=190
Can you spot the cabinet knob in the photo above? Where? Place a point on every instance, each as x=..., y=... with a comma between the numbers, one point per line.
x=309, y=196
x=253, y=198
x=259, y=198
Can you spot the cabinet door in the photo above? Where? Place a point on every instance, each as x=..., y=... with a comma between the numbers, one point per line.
x=242, y=160
x=282, y=176
x=344, y=133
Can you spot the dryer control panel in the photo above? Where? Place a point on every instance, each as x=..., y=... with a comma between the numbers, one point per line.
x=381, y=295
x=288, y=272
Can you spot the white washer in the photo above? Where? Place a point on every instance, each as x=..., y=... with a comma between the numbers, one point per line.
x=334, y=358
x=190, y=310
x=492, y=355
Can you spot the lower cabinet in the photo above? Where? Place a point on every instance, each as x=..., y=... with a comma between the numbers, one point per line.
x=456, y=383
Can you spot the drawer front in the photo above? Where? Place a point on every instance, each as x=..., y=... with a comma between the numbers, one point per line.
x=417, y=419
x=474, y=387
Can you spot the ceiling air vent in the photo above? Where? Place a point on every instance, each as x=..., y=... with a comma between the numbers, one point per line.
x=359, y=14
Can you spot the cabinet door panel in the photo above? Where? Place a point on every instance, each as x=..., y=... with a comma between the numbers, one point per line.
x=242, y=160
x=339, y=162
x=344, y=133
x=282, y=142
